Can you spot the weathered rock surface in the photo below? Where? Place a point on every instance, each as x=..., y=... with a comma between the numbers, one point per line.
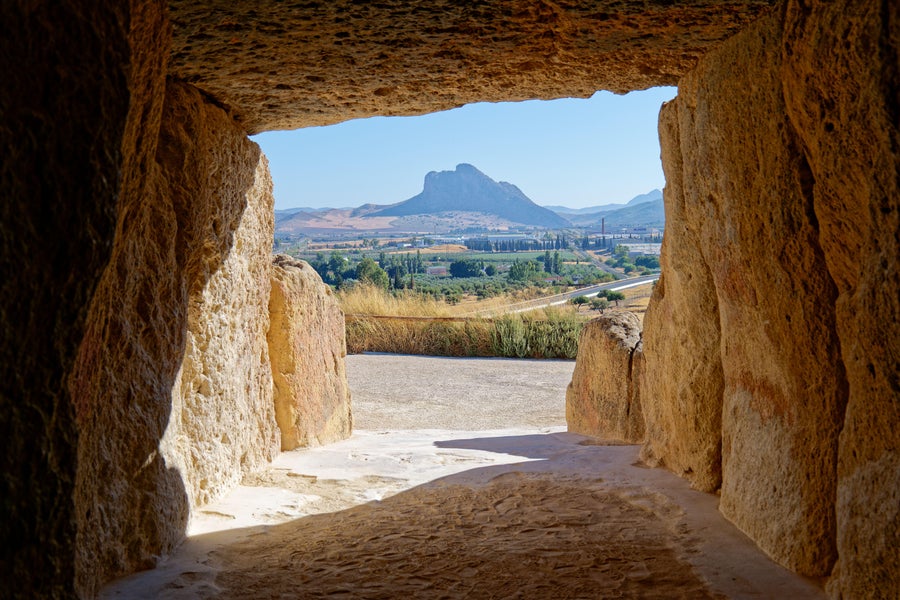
x=222, y=424
x=785, y=142
x=784, y=388
x=842, y=92
x=604, y=397
x=164, y=296
x=682, y=383
x=288, y=65
x=61, y=170
x=307, y=346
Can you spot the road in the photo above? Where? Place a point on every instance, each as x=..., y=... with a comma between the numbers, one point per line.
x=595, y=261
x=589, y=291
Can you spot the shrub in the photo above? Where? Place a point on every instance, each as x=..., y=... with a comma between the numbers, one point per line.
x=465, y=268
x=615, y=297
x=648, y=261
x=524, y=270
x=600, y=304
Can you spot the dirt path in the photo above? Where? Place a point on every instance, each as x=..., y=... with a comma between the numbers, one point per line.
x=392, y=391
x=479, y=498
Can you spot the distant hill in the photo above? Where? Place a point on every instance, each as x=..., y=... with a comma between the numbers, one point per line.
x=293, y=213
x=565, y=210
x=644, y=213
x=650, y=212
x=469, y=190
x=605, y=208
x=650, y=196
x=290, y=211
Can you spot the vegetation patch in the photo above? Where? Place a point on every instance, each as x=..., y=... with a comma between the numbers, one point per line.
x=380, y=322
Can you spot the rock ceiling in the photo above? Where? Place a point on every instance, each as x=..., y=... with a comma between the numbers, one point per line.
x=283, y=65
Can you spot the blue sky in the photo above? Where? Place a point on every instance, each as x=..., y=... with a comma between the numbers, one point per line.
x=571, y=152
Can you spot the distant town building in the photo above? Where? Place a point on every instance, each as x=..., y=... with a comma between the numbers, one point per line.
x=639, y=249
x=435, y=270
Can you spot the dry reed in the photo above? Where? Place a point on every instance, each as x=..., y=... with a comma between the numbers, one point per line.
x=410, y=324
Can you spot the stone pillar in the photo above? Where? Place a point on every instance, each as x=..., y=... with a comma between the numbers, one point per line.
x=603, y=398
x=682, y=383
x=222, y=424
x=307, y=344
x=172, y=387
x=749, y=188
x=73, y=92
x=784, y=143
x=841, y=69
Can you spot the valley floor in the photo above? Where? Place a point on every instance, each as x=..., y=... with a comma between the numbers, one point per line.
x=461, y=482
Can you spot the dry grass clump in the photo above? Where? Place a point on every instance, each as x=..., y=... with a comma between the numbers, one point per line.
x=408, y=324
x=372, y=300
x=427, y=336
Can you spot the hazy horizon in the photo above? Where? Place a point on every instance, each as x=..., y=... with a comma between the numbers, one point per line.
x=570, y=152
x=350, y=207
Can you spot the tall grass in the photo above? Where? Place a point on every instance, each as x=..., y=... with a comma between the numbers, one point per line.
x=426, y=327
x=372, y=300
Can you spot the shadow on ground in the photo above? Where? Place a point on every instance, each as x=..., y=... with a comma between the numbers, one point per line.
x=576, y=519
x=514, y=535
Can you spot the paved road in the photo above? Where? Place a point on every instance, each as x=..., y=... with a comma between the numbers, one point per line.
x=596, y=261
x=589, y=291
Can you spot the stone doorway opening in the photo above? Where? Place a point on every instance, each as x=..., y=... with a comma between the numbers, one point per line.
x=462, y=482
x=778, y=96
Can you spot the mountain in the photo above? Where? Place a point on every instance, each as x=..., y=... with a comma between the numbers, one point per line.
x=646, y=213
x=650, y=196
x=605, y=208
x=565, y=210
x=291, y=211
x=649, y=212
x=469, y=190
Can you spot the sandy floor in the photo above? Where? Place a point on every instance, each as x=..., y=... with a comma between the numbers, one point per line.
x=460, y=482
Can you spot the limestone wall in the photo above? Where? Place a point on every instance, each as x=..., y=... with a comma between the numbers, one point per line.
x=166, y=349
x=603, y=398
x=782, y=148
x=283, y=65
x=307, y=345
x=682, y=383
x=842, y=93
x=222, y=422
x=60, y=173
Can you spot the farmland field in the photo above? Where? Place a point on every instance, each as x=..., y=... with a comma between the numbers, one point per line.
x=564, y=255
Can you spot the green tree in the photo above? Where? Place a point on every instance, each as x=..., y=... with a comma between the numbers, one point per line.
x=600, y=304
x=465, y=268
x=367, y=271
x=490, y=270
x=420, y=266
x=524, y=270
x=579, y=300
x=337, y=263
x=651, y=262
x=615, y=296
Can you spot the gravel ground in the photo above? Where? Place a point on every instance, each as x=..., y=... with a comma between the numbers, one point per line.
x=392, y=391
